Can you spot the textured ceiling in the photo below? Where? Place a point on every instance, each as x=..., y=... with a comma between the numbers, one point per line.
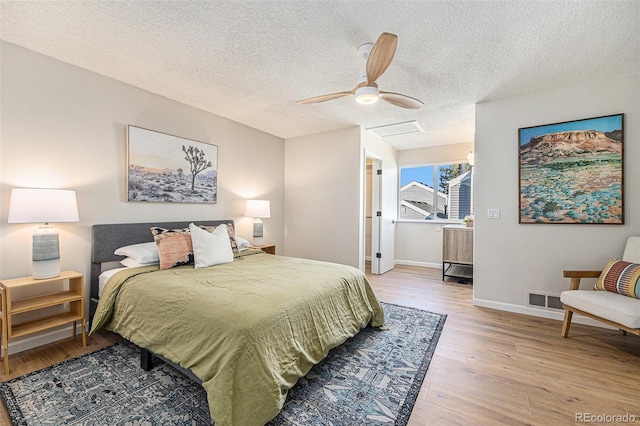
x=249, y=61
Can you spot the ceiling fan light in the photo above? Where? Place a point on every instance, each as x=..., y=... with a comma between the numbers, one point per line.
x=367, y=95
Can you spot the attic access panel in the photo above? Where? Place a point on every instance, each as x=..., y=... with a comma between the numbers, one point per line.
x=572, y=172
x=397, y=129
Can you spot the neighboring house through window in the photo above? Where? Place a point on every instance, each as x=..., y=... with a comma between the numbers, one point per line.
x=436, y=192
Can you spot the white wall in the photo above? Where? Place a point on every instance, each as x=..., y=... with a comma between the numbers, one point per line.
x=324, y=193
x=512, y=258
x=420, y=243
x=322, y=196
x=64, y=127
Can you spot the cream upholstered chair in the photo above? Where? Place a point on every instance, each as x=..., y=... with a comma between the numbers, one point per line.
x=617, y=310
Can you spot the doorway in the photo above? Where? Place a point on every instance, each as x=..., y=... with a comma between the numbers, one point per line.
x=371, y=208
x=379, y=202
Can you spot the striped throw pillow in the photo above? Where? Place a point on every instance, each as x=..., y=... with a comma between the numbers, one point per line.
x=620, y=277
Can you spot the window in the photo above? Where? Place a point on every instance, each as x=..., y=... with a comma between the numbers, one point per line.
x=436, y=192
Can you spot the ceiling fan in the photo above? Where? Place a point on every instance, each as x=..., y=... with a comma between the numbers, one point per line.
x=378, y=57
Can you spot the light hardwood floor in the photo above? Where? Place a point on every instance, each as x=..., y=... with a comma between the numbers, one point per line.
x=493, y=367
x=490, y=367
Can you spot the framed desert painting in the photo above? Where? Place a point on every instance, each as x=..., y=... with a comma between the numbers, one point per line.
x=163, y=168
x=572, y=172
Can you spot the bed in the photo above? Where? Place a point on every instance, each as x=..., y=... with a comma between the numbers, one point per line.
x=248, y=329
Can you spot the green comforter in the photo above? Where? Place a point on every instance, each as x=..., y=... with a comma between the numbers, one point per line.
x=248, y=329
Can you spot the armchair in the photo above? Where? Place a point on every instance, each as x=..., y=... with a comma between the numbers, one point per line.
x=614, y=309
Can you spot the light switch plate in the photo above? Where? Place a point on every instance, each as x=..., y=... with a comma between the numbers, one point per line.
x=493, y=213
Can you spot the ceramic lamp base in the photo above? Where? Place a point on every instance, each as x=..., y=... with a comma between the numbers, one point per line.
x=46, y=253
x=43, y=269
x=258, y=232
x=257, y=228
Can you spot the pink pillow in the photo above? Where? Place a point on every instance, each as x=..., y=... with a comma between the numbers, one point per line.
x=174, y=246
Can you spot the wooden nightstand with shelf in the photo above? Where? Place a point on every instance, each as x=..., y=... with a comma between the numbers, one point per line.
x=74, y=296
x=267, y=248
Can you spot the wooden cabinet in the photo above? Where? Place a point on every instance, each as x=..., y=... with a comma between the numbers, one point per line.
x=73, y=296
x=267, y=248
x=457, y=252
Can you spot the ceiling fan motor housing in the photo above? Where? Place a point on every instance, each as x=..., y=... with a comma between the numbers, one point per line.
x=365, y=49
x=377, y=57
x=367, y=94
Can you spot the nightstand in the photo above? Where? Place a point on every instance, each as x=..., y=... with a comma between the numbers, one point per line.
x=3, y=323
x=74, y=296
x=267, y=248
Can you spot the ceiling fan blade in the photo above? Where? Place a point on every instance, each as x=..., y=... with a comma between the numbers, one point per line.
x=400, y=100
x=323, y=98
x=380, y=56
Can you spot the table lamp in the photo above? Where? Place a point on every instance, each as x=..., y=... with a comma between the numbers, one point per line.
x=258, y=209
x=31, y=205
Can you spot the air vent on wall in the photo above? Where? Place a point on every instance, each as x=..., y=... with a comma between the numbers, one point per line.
x=543, y=300
x=396, y=129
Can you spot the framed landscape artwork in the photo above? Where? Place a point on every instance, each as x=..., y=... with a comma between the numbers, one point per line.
x=169, y=169
x=572, y=172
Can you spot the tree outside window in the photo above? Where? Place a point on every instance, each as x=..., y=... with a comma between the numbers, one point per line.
x=436, y=192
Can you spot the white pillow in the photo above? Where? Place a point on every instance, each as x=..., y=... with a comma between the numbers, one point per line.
x=210, y=248
x=131, y=262
x=143, y=253
x=242, y=243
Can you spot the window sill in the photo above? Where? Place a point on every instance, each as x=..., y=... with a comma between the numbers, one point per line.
x=433, y=222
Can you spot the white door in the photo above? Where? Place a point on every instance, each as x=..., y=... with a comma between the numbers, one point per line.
x=387, y=189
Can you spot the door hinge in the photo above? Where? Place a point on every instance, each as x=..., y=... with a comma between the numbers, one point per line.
x=378, y=255
x=379, y=214
x=379, y=171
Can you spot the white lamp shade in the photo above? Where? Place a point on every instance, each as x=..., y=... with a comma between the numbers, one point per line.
x=31, y=205
x=258, y=208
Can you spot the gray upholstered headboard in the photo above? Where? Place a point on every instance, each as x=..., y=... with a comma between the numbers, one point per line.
x=105, y=239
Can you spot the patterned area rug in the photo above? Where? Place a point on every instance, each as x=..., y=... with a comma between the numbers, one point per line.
x=373, y=378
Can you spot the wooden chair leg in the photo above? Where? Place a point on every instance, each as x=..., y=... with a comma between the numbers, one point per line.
x=567, y=322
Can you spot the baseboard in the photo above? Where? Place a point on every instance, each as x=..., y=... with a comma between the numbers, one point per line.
x=44, y=338
x=518, y=309
x=420, y=264
x=542, y=313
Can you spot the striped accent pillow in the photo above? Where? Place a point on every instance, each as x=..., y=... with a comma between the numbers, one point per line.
x=620, y=277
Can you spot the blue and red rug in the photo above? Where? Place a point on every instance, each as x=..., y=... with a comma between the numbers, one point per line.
x=373, y=378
